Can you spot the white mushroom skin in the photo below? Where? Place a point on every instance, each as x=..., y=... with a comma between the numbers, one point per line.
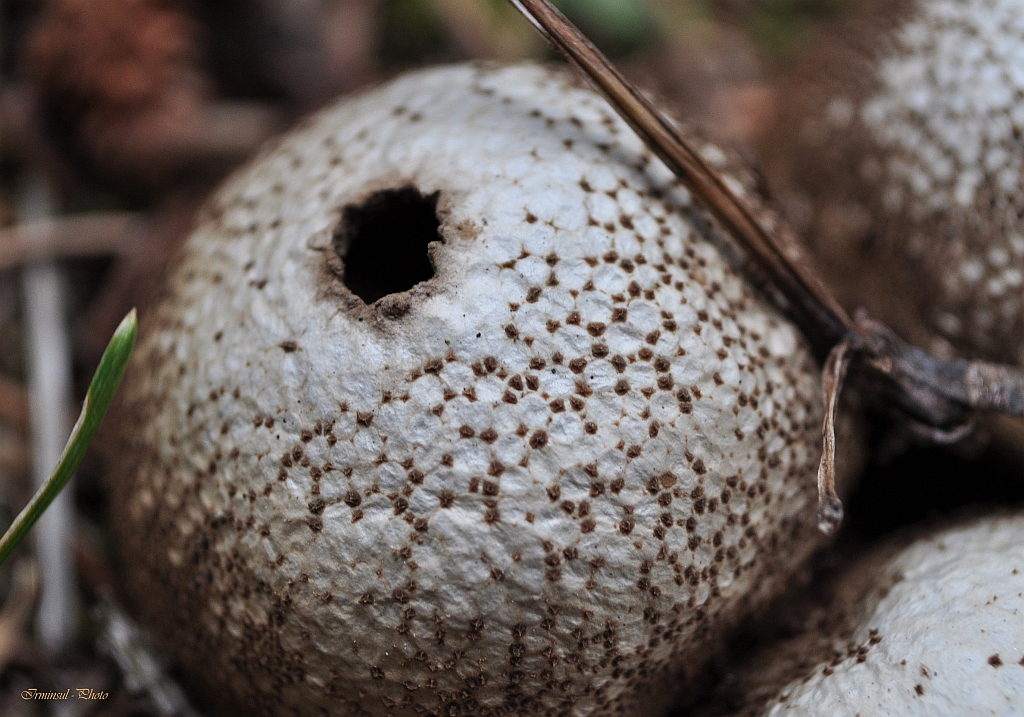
x=940, y=633
x=899, y=154
x=528, y=485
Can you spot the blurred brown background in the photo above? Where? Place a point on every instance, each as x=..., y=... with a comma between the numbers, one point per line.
x=117, y=117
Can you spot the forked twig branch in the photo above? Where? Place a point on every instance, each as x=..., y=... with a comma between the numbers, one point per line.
x=936, y=393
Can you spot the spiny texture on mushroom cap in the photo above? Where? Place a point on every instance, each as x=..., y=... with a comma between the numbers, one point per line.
x=936, y=629
x=899, y=153
x=528, y=485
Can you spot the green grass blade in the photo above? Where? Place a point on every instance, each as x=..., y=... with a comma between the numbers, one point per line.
x=104, y=383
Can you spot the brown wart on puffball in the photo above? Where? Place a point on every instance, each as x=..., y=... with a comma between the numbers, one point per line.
x=532, y=473
x=934, y=628
x=898, y=154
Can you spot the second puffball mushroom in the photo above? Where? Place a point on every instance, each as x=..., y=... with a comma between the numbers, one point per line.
x=454, y=404
x=930, y=628
x=898, y=155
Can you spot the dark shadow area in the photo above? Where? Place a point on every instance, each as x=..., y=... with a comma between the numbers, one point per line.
x=907, y=488
x=383, y=242
x=926, y=481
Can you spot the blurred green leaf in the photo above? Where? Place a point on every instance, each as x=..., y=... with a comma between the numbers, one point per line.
x=617, y=26
x=97, y=400
x=413, y=33
x=779, y=26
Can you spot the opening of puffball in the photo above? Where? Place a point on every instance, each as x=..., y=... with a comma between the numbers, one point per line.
x=382, y=242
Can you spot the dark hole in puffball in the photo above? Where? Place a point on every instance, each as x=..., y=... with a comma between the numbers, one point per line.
x=383, y=242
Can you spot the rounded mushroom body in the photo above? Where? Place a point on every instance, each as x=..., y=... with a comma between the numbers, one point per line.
x=454, y=403
x=935, y=629
x=899, y=156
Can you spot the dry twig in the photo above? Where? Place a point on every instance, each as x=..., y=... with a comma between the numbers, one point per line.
x=144, y=676
x=59, y=238
x=830, y=508
x=49, y=362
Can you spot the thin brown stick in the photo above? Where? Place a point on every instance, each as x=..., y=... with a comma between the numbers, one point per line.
x=823, y=320
x=936, y=391
x=144, y=674
x=830, y=508
x=82, y=235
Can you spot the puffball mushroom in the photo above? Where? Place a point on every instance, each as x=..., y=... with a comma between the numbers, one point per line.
x=454, y=404
x=933, y=628
x=898, y=154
